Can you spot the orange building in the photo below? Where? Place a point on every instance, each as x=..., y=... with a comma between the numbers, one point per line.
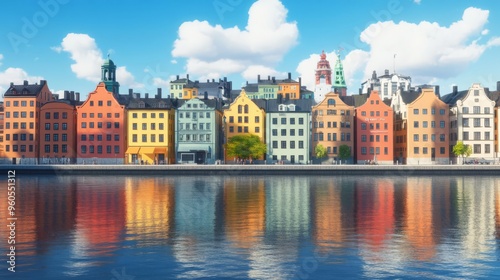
x=58, y=132
x=22, y=121
x=374, y=131
x=288, y=88
x=422, y=129
x=2, y=149
x=333, y=125
x=101, y=129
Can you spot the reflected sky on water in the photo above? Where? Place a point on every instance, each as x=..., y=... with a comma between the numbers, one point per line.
x=118, y=227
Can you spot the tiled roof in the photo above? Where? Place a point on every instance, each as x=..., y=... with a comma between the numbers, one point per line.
x=150, y=103
x=355, y=100
x=301, y=105
x=452, y=98
x=409, y=96
x=25, y=89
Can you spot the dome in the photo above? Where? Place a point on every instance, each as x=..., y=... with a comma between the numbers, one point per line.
x=108, y=62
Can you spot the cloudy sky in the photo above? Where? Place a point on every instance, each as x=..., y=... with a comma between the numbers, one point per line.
x=65, y=41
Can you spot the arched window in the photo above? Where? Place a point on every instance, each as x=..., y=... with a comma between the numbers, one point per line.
x=240, y=109
x=246, y=109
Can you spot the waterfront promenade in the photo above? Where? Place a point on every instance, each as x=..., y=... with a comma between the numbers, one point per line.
x=257, y=170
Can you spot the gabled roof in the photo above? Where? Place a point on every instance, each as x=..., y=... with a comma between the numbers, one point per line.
x=494, y=96
x=251, y=88
x=261, y=103
x=452, y=98
x=25, y=89
x=409, y=96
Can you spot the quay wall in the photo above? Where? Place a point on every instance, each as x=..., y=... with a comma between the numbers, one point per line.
x=254, y=170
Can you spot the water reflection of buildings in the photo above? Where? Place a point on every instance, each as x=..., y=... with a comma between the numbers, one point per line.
x=375, y=218
x=100, y=214
x=476, y=208
x=244, y=210
x=149, y=209
x=497, y=207
x=330, y=203
x=418, y=221
x=55, y=208
x=26, y=225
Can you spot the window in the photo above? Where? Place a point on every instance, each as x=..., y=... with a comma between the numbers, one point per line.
x=415, y=111
x=476, y=109
x=424, y=111
x=477, y=122
x=442, y=137
x=91, y=124
x=441, y=124
x=363, y=126
x=292, y=144
x=301, y=120
x=477, y=135
x=283, y=120
x=108, y=103
x=465, y=122
x=144, y=138
x=84, y=149
x=55, y=137
x=363, y=138
x=84, y=125
x=486, y=110
x=275, y=144
x=465, y=110
x=64, y=148
x=416, y=150
x=91, y=149
x=487, y=122
x=363, y=150
x=415, y=124
x=477, y=148
x=64, y=137
x=108, y=149
x=283, y=144
x=117, y=125
x=442, y=112
x=465, y=135
x=99, y=103
x=47, y=115
x=47, y=148
x=415, y=137
x=425, y=137
x=257, y=119
x=487, y=135
x=153, y=138
x=161, y=138
x=134, y=138
x=301, y=132
x=487, y=148
x=442, y=150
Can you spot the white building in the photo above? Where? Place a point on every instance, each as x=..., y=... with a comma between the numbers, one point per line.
x=387, y=84
x=472, y=121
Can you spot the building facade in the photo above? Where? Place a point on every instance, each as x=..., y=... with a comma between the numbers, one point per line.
x=387, y=85
x=333, y=126
x=422, y=129
x=22, y=120
x=58, y=133
x=183, y=88
x=374, y=131
x=150, y=131
x=101, y=131
x=289, y=88
x=287, y=131
x=198, y=133
x=244, y=116
x=472, y=121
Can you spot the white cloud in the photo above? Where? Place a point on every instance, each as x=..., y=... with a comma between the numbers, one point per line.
x=214, y=51
x=173, y=61
x=417, y=2
x=88, y=59
x=16, y=76
x=425, y=51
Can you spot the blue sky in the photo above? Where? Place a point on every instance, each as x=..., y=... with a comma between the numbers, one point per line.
x=64, y=41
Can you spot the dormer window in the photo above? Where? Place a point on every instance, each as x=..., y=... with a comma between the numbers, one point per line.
x=282, y=107
x=141, y=105
x=291, y=107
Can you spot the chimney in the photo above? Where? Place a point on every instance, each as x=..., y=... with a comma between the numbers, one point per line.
x=247, y=83
x=158, y=93
x=498, y=86
x=205, y=95
x=71, y=95
x=213, y=80
x=177, y=77
x=77, y=96
x=360, y=91
x=289, y=75
x=130, y=92
x=146, y=95
x=274, y=80
x=11, y=84
x=25, y=83
x=137, y=95
x=258, y=78
x=208, y=80
x=225, y=79
x=486, y=89
x=455, y=89
x=187, y=77
x=66, y=95
x=300, y=82
x=436, y=91
x=374, y=75
x=386, y=72
x=268, y=77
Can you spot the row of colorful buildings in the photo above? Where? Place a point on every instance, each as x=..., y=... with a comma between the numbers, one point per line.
x=415, y=126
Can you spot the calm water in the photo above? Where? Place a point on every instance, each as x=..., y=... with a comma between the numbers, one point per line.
x=254, y=227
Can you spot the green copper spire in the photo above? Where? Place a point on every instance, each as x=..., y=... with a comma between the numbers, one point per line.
x=339, y=81
x=108, y=76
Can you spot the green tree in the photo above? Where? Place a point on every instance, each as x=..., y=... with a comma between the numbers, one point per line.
x=320, y=151
x=462, y=150
x=344, y=152
x=246, y=146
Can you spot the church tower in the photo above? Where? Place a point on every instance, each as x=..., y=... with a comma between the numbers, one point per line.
x=339, y=85
x=108, y=76
x=323, y=78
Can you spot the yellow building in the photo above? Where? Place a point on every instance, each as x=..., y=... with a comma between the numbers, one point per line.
x=244, y=116
x=150, y=131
